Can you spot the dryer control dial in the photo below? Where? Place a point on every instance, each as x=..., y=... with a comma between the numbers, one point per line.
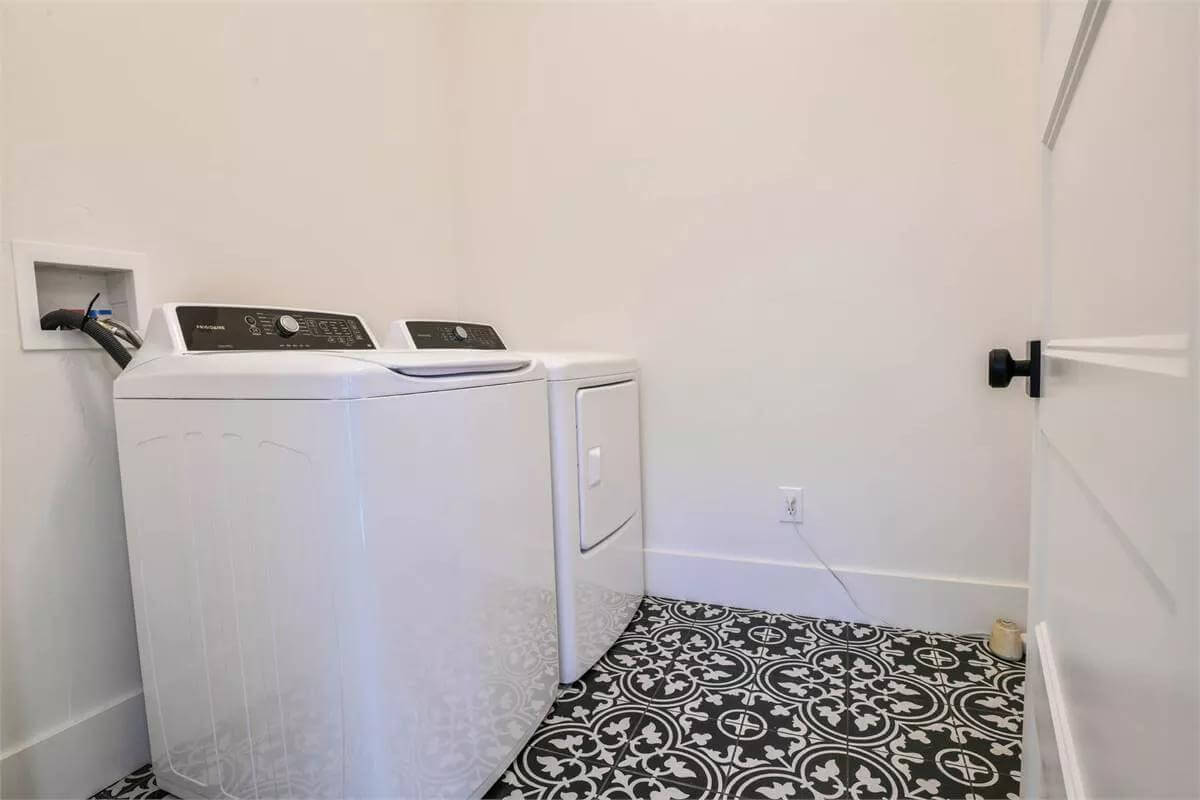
x=431, y=335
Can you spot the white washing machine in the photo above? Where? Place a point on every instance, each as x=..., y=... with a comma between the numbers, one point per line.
x=597, y=479
x=341, y=557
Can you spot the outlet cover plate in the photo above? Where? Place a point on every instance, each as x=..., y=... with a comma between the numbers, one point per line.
x=786, y=494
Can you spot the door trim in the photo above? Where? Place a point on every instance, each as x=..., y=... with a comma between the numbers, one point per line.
x=1068, y=760
x=1091, y=14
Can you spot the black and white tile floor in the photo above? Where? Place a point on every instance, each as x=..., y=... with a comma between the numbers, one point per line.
x=704, y=701
x=137, y=785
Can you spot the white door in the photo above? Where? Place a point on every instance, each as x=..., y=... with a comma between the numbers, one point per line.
x=1112, y=708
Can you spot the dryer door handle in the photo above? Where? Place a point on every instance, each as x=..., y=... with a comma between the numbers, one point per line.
x=595, y=464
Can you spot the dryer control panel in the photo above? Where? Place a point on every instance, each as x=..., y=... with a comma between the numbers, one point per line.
x=261, y=328
x=426, y=335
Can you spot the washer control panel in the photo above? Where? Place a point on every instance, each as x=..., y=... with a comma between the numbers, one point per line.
x=426, y=335
x=255, y=328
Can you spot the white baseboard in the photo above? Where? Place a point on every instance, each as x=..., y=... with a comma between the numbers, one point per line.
x=924, y=602
x=80, y=758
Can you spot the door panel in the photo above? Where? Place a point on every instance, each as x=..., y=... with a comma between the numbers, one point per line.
x=1121, y=175
x=1114, y=557
x=1119, y=431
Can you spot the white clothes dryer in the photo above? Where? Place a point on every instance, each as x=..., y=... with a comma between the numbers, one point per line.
x=597, y=483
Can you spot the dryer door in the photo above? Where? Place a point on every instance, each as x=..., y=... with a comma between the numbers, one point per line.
x=610, y=472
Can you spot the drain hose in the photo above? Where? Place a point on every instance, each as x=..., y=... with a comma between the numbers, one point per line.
x=62, y=319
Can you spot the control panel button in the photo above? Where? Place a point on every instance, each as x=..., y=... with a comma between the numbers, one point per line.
x=287, y=325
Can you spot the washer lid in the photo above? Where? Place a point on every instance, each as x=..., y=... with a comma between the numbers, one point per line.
x=572, y=366
x=320, y=374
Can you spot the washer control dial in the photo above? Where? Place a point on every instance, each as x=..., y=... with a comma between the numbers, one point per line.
x=460, y=333
x=287, y=325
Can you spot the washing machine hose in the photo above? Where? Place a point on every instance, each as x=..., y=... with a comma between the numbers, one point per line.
x=64, y=319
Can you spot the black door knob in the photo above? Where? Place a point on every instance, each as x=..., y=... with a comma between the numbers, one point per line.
x=1002, y=368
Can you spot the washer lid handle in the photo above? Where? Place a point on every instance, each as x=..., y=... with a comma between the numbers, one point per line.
x=462, y=368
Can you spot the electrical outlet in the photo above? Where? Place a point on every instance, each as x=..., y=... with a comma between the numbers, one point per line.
x=791, y=507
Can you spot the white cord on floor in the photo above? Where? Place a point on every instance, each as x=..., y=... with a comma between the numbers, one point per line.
x=838, y=578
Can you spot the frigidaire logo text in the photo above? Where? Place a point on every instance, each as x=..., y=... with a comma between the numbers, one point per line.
x=210, y=327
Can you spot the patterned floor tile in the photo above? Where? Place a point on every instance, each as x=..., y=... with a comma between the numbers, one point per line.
x=702, y=614
x=996, y=762
x=709, y=723
x=651, y=613
x=824, y=666
x=667, y=634
x=750, y=632
x=541, y=774
x=662, y=642
x=835, y=628
x=815, y=687
x=999, y=786
x=638, y=663
x=989, y=712
x=137, y=785
x=680, y=745
x=896, y=770
x=858, y=634
x=701, y=639
x=709, y=670
x=997, y=685
x=625, y=785
x=594, y=717
x=771, y=733
x=930, y=658
x=889, y=707
x=975, y=666
x=599, y=734
x=818, y=772
x=765, y=636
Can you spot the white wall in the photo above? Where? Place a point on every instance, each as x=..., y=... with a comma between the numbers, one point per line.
x=295, y=155
x=810, y=222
